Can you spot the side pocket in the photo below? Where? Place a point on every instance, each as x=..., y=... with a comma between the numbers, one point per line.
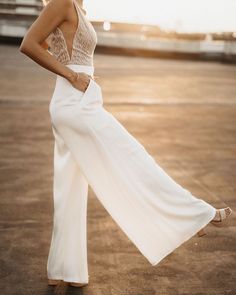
x=87, y=94
x=82, y=93
x=89, y=84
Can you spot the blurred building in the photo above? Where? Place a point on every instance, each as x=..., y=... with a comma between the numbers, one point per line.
x=122, y=38
x=16, y=16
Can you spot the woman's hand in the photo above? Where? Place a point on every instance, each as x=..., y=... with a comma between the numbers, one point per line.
x=80, y=81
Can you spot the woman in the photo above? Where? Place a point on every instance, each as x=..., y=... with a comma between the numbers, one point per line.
x=92, y=147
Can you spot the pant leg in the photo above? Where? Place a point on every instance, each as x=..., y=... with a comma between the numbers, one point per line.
x=154, y=211
x=67, y=258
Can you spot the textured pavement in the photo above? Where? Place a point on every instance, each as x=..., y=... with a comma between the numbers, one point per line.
x=183, y=112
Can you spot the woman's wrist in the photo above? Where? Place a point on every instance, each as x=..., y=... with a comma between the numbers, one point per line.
x=72, y=76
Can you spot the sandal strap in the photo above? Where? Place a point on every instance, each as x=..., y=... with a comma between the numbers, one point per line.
x=222, y=214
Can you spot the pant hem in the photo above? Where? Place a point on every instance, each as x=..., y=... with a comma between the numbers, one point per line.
x=68, y=280
x=190, y=235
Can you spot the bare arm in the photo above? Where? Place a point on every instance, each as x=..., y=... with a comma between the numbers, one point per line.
x=45, y=45
x=33, y=44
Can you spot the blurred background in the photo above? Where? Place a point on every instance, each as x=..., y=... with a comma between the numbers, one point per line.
x=167, y=73
x=204, y=29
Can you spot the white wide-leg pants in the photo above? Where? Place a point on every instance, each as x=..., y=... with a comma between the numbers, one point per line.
x=93, y=148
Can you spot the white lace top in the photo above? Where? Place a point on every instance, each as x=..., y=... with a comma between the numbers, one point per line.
x=83, y=46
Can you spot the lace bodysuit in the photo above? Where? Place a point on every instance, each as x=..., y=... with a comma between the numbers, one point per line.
x=83, y=45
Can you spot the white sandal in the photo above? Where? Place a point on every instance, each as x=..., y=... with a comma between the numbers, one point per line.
x=223, y=213
x=52, y=282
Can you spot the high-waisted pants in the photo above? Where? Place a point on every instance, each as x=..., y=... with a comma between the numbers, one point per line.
x=93, y=148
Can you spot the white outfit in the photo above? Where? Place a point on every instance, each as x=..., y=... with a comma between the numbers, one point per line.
x=92, y=147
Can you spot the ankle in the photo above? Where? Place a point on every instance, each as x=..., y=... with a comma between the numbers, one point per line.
x=217, y=215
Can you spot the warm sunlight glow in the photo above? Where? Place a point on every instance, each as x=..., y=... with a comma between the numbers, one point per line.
x=180, y=15
x=106, y=26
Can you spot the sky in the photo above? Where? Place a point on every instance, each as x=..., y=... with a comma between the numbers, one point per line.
x=180, y=15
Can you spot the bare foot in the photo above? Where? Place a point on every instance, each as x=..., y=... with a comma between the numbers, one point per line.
x=52, y=282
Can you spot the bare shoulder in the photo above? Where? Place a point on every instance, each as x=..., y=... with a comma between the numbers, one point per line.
x=57, y=10
x=52, y=15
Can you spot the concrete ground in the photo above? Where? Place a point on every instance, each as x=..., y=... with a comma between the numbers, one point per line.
x=183, y=112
